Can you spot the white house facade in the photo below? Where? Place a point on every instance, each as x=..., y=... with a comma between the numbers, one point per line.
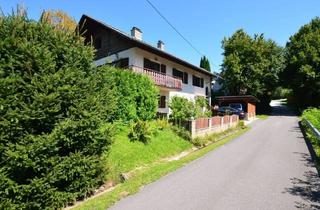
x=173, y=76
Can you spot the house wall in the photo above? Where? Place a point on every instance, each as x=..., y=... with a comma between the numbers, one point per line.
x=136, y=58
x=188, y=90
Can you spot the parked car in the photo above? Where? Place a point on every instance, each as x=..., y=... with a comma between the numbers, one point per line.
x=227, y=110
x=236, y=106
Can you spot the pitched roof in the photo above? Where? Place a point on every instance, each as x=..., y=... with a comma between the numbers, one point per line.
x=146, y=46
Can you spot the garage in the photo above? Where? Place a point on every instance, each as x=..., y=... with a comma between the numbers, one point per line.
x=248, y=104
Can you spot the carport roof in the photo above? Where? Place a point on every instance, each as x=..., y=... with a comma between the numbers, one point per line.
x=246, y=98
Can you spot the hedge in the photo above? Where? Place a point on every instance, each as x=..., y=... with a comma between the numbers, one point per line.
x=51, y=109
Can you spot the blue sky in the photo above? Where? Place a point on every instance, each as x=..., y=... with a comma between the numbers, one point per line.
x=203, y=22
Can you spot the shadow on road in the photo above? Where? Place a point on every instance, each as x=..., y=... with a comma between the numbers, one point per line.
x=282, y=110
x=308, y=187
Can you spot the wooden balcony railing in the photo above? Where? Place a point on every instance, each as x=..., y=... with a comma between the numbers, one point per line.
x=159, y=78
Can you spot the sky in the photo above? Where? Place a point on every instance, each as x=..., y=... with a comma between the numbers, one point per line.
x=205, y=23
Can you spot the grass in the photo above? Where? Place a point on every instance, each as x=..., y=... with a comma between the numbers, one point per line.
x=148, y=175
x=125, y=155
x=262, y=116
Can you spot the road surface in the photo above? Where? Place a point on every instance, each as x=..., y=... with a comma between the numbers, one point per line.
x=269, y=167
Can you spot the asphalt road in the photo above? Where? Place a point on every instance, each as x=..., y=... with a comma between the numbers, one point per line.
x=269, y=167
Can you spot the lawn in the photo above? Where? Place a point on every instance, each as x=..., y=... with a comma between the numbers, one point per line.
x=125, y=155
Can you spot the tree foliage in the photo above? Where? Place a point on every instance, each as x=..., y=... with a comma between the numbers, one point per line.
x=204, y=63
x=59, y=19
x=51, y=143
x=251, y=65
x=302, y=72
x=137, y=94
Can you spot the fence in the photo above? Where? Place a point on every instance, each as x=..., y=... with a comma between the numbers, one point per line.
x=206, y=126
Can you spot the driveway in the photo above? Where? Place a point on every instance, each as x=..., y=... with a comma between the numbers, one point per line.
x=269, y=167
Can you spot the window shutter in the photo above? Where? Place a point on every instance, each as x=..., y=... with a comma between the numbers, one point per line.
x=162, y=102
x=163, y=69
x=185, y=77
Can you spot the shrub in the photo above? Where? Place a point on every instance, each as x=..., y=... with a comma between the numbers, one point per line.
x=199, y=141
x=202, y=108
x=313, y=115
x=182, y=132
x=138, y=95
x=162, y=124
x=140, y=131
x=50, y=137
x=182, y=109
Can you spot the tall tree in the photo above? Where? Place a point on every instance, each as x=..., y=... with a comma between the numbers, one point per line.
x=204, y=63
x=251, y=65
x=59, y=19
x=302, y=72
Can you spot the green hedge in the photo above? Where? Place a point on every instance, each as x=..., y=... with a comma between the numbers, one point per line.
x=51, y=108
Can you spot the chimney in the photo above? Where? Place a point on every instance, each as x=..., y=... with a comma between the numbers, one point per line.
x=160, y=45
x=136, y=33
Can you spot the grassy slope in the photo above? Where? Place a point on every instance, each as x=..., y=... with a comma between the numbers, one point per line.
x=125, y=155
x=149, y=174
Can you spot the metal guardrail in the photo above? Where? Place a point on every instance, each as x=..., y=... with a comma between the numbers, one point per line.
x=313, y=129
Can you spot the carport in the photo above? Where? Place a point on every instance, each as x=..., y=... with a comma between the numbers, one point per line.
x=248, y=102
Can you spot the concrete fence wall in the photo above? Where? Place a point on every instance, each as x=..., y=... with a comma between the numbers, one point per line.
x=206, y=126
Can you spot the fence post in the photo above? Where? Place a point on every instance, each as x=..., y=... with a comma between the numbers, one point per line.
x=210, y=121
x=193, y=128
x=222, y=123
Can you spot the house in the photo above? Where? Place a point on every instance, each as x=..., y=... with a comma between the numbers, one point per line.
x=173, y=76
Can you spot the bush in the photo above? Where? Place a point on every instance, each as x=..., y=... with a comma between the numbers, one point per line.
x=313, y=115
x=202, y=108
x=138, y=95
x=199, y=141
x=140, y=131
x=182, y=109
x=182, y=132
x=50, y=137
x=162, y=124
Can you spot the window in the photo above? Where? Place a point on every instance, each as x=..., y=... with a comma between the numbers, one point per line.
x=162, y=102
x=207, y=91
x=97, y=43
x=163, y=69
x=197, y=81
x=182, y=75
x=148, y=64
x=121, y=63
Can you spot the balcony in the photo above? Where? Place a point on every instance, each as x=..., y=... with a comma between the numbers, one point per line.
x=159, y=78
